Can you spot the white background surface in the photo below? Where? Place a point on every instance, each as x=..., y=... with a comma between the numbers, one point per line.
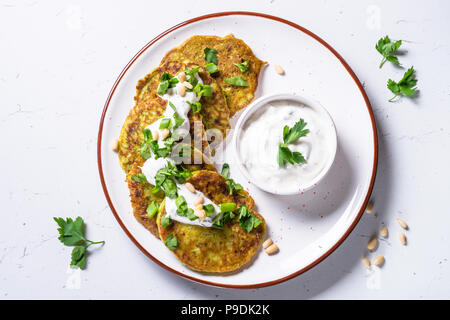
x=58, y=62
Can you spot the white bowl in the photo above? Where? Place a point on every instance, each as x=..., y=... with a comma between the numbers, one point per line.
x=263, y=101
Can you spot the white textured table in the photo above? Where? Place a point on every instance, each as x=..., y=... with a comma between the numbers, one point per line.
x=60, y=58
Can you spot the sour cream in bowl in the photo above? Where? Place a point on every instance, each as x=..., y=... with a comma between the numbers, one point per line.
x=285, y=144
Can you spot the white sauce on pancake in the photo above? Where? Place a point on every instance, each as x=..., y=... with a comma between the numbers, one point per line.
x=151, y=166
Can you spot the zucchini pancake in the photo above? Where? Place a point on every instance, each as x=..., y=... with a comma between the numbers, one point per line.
x=204, y=217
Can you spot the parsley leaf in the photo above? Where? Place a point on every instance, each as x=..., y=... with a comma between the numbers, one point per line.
x=139, y=177
x=167, y=81
x=405, y=87
x=296, y=132
x=195, y=106
x=227, y=207
x=78, y=257
x=237, y=81
x=152, y=209
x=232, y=186
x=243, y=66
x=209, y=209
x=247, y=220
x=203, y=90
x=72, y=234
x=211, y=55
x=165, y=221
x=171, y=242
x=386, y=48
x=290, y=135
x=211, y=68
x=190, y=76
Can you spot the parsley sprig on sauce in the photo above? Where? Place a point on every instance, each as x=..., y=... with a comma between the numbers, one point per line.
x=71, y=233
x=290, y=135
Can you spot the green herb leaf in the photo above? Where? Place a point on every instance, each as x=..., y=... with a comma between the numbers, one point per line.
x=290, y=135
x=165, y=123
x=232, y=185
x=152, y=209
x=71, y=232
x=211, y=55
x=211, y=68
x=296, y=132
x=243, y=66
x=167, y=81
x=165, y=221
x=78, y=257
x=209, y=209
x=171, y=242
x=225, y=170
x=405, y=87
x=387, y=48
x=178, y=121
x=195, y=106
x=203, y=90
x=190, y=76
x=237, y=81
x=139, y=177
x=247, y=220
x=227, y=207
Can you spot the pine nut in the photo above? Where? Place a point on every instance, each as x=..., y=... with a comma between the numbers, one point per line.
x=267, y=243
x=165, y=133
x=279, y=69
x=366, y=262
x=182, y=77
x=378, y=260
x=182, y=90
x=369, y=208
x=200, y=213
x=372, y=244
x=402, y=238
x=402, y=223
x=155, y=135
x=272, y=248
x=187, y=85
x=115, y=145
x=384, y=232
x=190, y=187
x=198, y=200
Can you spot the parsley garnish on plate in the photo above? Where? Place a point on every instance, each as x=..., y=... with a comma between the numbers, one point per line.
x=405, y=87
x=139, y=177
x=195, y=106
x=236, y=81
x=71, y=233
x=211, y=68
x=211, y=55
x=243, y=66
x=387, y=48
x=290, y=135
x=167, y=81
x=247, y=220
x=232, y=186
x=171, y=242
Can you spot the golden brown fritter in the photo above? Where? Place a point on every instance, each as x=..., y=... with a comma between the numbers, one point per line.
x=149, y=107
x=209, y=249
x=230, y=50
x=141, y=195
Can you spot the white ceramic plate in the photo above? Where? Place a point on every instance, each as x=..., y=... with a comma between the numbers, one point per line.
x=306, y=227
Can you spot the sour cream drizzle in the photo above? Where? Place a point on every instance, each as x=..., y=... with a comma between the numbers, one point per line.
x=262, y=133
x=151, y=166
